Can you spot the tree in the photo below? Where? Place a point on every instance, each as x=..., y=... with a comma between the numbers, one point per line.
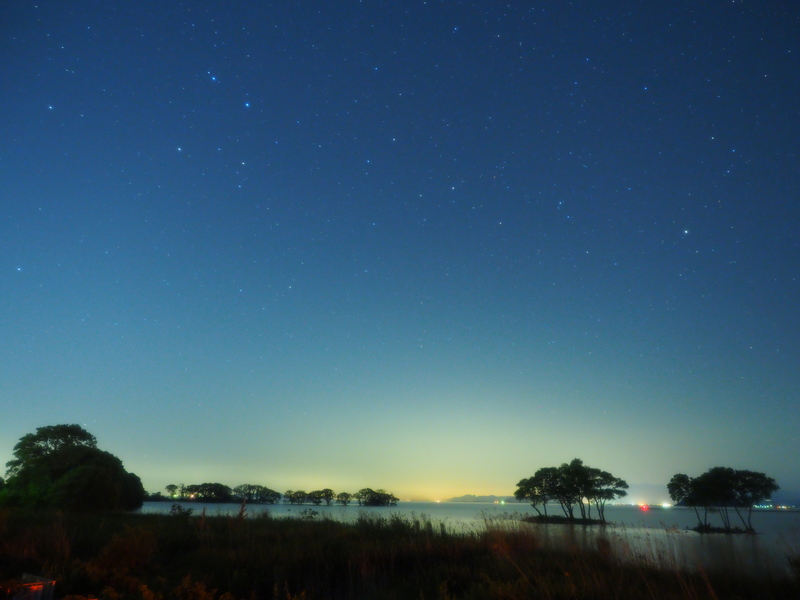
x=370, y=497
x=172, y=490
x=679, y=488
x=605, y=487
x=719, y=489
x=715, y=489
x=210, y=492
x=572, y=485
x=257, y=494
x=47, y=442
x=315, y=497
x=269, y=496
x=246, y=492
x=343, y=498
x=680, y=491
x=60, y=466
x=752, y=488
x=98, y=483
x=298, y=497
x=539, y=489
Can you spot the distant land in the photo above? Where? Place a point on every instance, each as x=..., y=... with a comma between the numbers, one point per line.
x=474, y=498
x=637, y=494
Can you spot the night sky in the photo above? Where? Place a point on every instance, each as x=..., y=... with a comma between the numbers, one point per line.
x=424, y=246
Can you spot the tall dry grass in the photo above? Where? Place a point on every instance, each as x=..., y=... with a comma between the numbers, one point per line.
x=380, y=555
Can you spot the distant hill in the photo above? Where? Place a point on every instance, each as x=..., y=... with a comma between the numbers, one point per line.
x=474, y=498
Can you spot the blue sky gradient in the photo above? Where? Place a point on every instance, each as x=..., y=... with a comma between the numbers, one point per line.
x=425, y=246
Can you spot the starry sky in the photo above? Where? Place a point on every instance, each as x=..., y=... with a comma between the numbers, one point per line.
x=428, y=246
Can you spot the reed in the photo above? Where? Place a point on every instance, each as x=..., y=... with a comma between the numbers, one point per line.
x=380, y=555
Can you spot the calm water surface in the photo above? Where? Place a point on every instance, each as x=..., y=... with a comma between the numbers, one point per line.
x=655, y=536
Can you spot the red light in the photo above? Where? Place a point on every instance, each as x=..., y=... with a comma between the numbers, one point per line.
x=644, y=507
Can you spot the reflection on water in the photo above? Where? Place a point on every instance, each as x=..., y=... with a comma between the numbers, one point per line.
x=671, y=548
x=654, y=537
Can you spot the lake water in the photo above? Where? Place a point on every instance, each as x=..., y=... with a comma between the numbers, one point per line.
x=656, y=536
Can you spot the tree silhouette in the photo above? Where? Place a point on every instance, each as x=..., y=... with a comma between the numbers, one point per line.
x=719, y=489
x=61, y=466
x=572, y=485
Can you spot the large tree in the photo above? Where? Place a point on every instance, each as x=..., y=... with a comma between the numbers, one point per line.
x=719, y=489
x=46, y=443
x=572, y=485
x=61, y=466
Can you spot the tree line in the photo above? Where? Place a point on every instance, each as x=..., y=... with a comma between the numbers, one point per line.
x=259, y=494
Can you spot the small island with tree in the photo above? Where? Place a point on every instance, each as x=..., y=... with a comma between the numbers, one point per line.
x=573, y=485
x=718, y=490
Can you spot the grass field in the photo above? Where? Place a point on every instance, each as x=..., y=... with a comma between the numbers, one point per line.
x=182, y=557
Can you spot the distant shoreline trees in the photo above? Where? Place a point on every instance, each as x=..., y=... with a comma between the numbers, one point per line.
x=258, y=494
x=370, y=497
x=573, y=485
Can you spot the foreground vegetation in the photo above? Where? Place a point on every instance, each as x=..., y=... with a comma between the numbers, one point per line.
x=181, y=557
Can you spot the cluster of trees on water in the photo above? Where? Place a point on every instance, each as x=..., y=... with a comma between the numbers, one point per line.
x=573, y=485
x=364, y=497
x=60, y=466
x=259, y=494
x=718, y=490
